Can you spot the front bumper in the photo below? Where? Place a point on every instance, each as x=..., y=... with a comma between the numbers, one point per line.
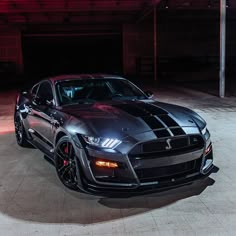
x=136, y=174
x=144, y=189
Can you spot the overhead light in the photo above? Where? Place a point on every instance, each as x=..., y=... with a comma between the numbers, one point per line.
x=166, y=4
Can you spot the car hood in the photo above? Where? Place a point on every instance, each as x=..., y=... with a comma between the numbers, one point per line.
x=127, y=118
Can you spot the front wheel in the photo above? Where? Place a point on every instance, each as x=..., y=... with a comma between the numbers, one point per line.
x=66, y=163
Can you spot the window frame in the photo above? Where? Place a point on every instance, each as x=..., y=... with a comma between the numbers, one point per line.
x=31, y=91
x=52, y=90
x=80, y=79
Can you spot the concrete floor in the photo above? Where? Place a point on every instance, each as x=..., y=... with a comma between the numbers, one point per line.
x=34, y=202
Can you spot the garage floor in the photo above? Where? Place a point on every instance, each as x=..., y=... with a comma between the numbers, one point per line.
x=34, y=202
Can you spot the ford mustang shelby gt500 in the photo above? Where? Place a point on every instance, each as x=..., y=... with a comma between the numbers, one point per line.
x=104, y=133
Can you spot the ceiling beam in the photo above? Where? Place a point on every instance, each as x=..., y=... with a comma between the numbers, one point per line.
x=86, y=20
x=79, y=7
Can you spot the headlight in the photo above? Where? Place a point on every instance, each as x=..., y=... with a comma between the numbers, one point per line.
x=101, y=142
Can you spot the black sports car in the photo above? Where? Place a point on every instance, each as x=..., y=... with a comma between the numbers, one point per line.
x=103, y=133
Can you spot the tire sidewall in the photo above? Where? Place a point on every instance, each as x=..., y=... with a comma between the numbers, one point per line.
x=61, y=140
x=23, y=141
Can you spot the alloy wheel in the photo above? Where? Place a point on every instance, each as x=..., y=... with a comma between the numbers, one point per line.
x=66, y=164
x=19, y=131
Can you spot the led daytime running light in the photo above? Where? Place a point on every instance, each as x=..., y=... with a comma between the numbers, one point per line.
x=109, y=143
x=101, y=142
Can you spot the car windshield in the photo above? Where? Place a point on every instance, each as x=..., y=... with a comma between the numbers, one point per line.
x=92, y=90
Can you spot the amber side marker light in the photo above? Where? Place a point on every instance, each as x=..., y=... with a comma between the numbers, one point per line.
x=107, y=164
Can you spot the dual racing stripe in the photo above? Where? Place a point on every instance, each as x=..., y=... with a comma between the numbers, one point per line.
x=141, y=109
x=153, y=109
x=153, y=122
x=155, y=117
x=132, y=109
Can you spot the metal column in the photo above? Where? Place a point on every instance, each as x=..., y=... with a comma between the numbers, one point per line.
x=155, y=41
x=222, y=46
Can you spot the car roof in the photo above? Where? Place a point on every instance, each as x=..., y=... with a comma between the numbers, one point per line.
x=83, y=76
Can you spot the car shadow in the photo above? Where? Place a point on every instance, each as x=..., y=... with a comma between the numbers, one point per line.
x=30, y=191
x=162, y=198
x=107, y=209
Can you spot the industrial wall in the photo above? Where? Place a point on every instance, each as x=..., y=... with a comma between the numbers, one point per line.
x=10, y=47
x=187, y=44
x=137, y=43
x=181, y=40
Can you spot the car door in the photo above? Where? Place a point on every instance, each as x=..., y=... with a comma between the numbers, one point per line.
x=40, y=117
x=27, y=107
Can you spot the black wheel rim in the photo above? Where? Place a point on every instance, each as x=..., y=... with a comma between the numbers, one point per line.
x=66, y=164
x=18, y=131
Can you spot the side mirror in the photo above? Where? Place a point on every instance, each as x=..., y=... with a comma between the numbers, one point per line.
x=149, y=94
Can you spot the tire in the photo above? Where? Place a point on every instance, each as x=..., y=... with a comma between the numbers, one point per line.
x=66, y=163
x=21, y=137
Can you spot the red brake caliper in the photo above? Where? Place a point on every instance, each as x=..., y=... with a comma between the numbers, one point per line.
x=66, y=162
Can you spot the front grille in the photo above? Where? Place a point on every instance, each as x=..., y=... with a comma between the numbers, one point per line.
x=165, y=173
x=167, y=147
x=162, y=145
